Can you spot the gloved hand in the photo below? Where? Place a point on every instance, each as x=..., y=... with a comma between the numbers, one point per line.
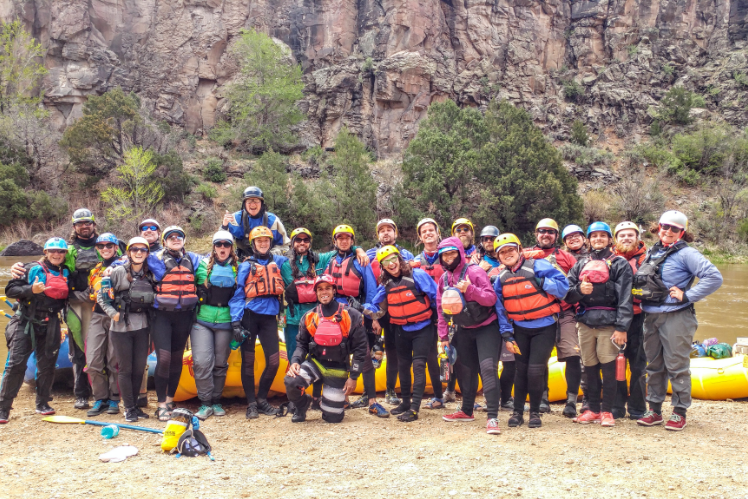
x=355, y=304
x=239, y=333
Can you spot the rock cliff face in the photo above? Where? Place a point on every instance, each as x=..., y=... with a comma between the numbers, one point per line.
x=375, y=65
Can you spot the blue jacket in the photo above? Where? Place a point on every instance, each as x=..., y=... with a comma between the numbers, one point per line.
x=266, y=305
x=370, y=282
x=678, y=270
x=494, y=263
x=424, y=284
x=407, y=255
x=280, y=238
x=553, y=282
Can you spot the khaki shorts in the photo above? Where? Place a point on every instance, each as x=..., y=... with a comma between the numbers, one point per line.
x=567, y=338
x=596, y=345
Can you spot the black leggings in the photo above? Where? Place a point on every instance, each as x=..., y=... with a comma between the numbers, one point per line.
x=391, y=351
x=432, y=365
x=412, y=350
x=478, y=351
x=264, y=327
x=171, y=330
x=536, y=346
x=131, y=349
x=506, y=380
x=609, y=386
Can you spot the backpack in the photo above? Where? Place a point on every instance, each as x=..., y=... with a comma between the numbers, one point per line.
x=457, y=309
x=648, y=285
x=193, y=443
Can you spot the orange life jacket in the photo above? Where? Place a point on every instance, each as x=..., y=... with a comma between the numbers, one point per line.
x=263, y=280
x=435, y=270
x=524, y=299
x=348, y=280
x=177, y=287
x=94, y=280
x=406, y=303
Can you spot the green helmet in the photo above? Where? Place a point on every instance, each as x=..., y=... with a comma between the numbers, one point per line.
x=83, y=215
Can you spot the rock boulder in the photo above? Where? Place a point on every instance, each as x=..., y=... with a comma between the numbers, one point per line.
x=24, y=247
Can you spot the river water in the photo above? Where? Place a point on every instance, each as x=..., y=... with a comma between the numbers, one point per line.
x=723, y=315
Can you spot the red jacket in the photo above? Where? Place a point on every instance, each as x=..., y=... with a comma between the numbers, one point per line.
x=564, y=259
x=635, y=259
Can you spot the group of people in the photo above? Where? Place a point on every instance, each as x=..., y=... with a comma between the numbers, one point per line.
x=591, y=295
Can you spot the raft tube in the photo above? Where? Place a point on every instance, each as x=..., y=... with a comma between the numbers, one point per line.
x=719, y=379
x=63, y=362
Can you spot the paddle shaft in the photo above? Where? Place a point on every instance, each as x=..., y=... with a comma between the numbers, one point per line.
x=126, y=426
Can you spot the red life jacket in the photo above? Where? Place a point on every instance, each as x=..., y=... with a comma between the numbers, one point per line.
x=55, y=286
x=524, y=299
x=263, y=280
x=302, y=290
x=177, y=286
x=635, y=261
x=328, y=334
x=376, y=269
x=406, y=303
x=348, y=280
x=595, y=271
x=435, y=270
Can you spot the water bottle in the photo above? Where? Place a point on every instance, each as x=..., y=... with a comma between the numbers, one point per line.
x=110, y=431
x=234, y=344
x=620, y=366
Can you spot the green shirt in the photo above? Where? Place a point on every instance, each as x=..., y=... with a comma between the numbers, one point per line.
x=296, y=311
x=209, y=313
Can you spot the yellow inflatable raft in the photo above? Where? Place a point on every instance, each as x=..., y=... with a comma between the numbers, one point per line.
x=719, y=379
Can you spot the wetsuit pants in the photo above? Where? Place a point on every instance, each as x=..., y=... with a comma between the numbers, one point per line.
x=333, y=389
x=211, y=347
x=101, y=364
x=536, y=346
x=77, y=353
x=432, y=365
x=264, y=327
x=478, y=349
x=391, y=351
x=171, y=330
x=412, y=351
x=632, y=393
x=132, y=356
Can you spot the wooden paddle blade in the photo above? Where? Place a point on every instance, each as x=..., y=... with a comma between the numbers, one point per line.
x=63, y=419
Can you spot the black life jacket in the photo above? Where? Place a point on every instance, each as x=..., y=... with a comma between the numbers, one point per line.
x=648, y=285
x=86, y=259
x=42, y=305
x=218, y=287
x=603, y=296
x=139, y=297
x=473, y=313
x=243, y=242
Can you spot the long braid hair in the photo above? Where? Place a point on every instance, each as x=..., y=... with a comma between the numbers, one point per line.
x=311, y=271
x=232, y=260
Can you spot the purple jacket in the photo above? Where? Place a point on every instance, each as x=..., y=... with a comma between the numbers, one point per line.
x=479, y=290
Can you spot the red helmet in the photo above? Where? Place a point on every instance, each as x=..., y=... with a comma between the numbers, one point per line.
x=324, y=278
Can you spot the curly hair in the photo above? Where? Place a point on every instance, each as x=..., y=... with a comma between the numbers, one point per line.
x=688, y=237
x=405, y=271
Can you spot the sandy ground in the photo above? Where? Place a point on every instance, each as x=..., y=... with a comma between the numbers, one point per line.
x=369, y=457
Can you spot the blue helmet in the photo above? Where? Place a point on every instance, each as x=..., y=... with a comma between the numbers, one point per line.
x=56, y=243
x=599, y=227
x=107, y=237
x=571, y=229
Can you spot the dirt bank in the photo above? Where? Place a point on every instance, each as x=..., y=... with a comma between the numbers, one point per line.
x=369, y=457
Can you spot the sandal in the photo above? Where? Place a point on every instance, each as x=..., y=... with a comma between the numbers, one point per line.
x=163, y=413
x=435, y=403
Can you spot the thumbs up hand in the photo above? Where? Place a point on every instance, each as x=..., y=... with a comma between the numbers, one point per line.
x=228, y=218
x=463, y=284
x=585, y=287
x=37, y=287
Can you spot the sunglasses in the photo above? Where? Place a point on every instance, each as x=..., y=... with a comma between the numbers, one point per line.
x=462, y=229
x=546, y=231
x=107, y=246
x=304, y=240
x=152, y=228
x=138, y=250
x=671, y=228
x=223, y=244
x=487, y=239
x=56, y=251
x=175, y=237
x=83, y=224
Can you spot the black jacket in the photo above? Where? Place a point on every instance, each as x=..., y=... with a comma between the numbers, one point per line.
x=621, y=277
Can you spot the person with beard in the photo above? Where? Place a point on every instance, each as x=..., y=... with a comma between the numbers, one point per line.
x=150, y=230
x=255, y=307
x=100, y=355
x=600, y=284
x=254, y=214
x=488, y=259
x=567, y=340
x=574, y=241
x=629, y=246
x=463, y=229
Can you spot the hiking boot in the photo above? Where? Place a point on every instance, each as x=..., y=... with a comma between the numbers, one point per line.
x=218, y=410
x=98, y=408
x=4, y=416
x=377, y=410
x=570, y=410
x=300, y=408
x=263, y=407
x=534, y=421
x=492, y=427
x=359, y=403
x=515, y=420
x=252, y=411
x=607, y=419
x=141, y=414
x=113, y=407
x=131, y=415
x=44, y=409
x=408, y=416
x=676, y=422
x=391, y=398
x=458, y=416
x=317, y=401
x=545, y=406
x=142, y=400
x=402, y=408
x=587, y=417
x=650, y=418
x=204, y=412
x=449, y=396
x=508, y=404
x=81, y=403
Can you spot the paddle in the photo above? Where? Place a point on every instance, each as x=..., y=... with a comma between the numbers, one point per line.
x=69, y=420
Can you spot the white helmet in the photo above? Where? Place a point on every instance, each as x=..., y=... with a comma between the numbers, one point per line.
x=138, y=240
x=626, y=225
x=223, y=235
x=676, y=218
x=387, y=221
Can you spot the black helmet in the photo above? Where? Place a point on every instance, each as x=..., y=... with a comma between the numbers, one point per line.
x=252, y=192
x=490, y=231
x=83, y=215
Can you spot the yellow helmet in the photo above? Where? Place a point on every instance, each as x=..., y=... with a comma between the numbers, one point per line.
x=343, y=229
x=462, y=221
x=260, y=231
x=504, y=239
x=301, y=230
x=386, y=251
x=626, y=225
x=547, y=223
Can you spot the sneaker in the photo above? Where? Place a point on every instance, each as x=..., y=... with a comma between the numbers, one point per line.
x=508, y=405
x=113, y=407
x=458, y=416
x=391, y=398
x=218, y=410
x=252, y=411
x=400, y=409
x=477, y=407
x=4, y=416
x=142, y=400
x=359, y=403
x=263, y=407
x=81, y=403
x=131, y=415
x=449, y=396
x=408, y=416
x=141, y=414
x=607, y=419
x=587, y=417
x=515, y=420
x=545, y=406
x=204, y=412
x=570, y=410
x=650, y=418
x=317, y=401
x=492, y=427
x=379, y=411
x=676, y=422
x=44, y=409
x=98, y=408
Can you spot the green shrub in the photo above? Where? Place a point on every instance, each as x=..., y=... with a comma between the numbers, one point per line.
x=677, y=104
x=704, y=150
x=13, y=202
x=689, y=177
x=176, y=182
x=740, y=78
x=213, y=171
x=315, y=156
x=46, y=208
x=579, y=133
x=743, y=230
x=207, y=191
x=655, y=154
x=573, y=90
x=586, y=157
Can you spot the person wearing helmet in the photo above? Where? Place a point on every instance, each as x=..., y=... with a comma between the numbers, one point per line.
x=100, y=356
x=355, y=284
x=527, y=320
x=211, y=333
x=150, y=230
x=463, y=229
x=254, y=213
x=628, y=245
x=42, y=293
x=387, y=235
x=472, y=327
x=331, y=348
x=254, y=310
x=408, y=296
x=567, y=340
x=574, y=241
x=600, y=286
x=485, y=256
x=663, y=282
x=127, y=297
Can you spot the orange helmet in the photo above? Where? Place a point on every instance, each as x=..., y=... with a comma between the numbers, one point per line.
x=260, y=231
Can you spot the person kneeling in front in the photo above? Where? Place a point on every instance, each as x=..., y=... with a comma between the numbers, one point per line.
x=328, y=335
